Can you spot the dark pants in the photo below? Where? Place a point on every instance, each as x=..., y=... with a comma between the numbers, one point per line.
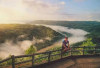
x=64, y=49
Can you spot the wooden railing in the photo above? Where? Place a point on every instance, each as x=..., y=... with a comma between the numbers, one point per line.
x=48, y=55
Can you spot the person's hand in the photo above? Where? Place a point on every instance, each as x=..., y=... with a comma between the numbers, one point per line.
x=65, y=46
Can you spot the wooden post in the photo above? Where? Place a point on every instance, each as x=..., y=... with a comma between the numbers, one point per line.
x=70, y=52
x=49, y=55
x=13, y=61
x=61, y=53
x=83, y=50
x=33, y=60
x=95, y=50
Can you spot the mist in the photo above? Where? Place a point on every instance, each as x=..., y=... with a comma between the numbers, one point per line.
x=78, y=35
x=10, y=48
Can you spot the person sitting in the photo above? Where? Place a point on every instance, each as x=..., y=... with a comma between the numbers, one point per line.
x=65, y=45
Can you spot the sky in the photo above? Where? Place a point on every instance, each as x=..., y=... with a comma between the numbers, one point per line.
x=12, y=11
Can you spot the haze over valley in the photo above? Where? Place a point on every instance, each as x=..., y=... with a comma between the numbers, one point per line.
x=31, y=35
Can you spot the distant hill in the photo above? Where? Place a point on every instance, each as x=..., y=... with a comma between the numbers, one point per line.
x=18, y=32
x=93, y=27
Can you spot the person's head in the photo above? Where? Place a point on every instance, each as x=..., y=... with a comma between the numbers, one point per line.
x=66, y=38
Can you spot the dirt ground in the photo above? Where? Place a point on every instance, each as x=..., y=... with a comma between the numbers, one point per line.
x=74, y=62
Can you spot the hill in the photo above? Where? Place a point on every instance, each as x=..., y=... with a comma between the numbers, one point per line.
x=93, y=27
x=43, y=36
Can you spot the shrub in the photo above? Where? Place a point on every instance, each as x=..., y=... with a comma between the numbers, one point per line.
x=31, y=50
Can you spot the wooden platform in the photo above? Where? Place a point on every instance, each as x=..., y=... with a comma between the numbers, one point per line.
x=86, y=61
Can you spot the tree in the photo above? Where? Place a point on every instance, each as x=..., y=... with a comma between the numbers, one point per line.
x=87, y=43
x=31, y=50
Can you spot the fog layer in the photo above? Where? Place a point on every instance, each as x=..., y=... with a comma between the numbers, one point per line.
x=18, y=48
x=77, y=35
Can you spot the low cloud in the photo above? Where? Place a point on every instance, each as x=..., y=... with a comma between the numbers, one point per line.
x=78, y=35
x=10, y=48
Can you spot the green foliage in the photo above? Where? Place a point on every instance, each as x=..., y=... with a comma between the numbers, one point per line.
x=14, y=31
x=87, y=43
x=9, y=62
x=93, y=27
x=77, y=44
x=31, y=50
x=39, y=32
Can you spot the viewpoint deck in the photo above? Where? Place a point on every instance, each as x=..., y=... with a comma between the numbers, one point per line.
x=86, y=61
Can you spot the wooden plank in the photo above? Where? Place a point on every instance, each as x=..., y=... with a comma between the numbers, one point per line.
x=56, y=54
x=41, y=53
x=23, y=62
x=22, y=56
x=33, y=60
x=61, y=54
x=70, y=52
x=75, y=50
x=5, y=60
x=83, y=46
x=83, y=50
x=49, y=56
x=13, y=61
x=56, y=50
x=41, y=58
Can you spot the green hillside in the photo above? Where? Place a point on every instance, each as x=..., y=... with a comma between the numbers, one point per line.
x=20, y=32
x=93, y=27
